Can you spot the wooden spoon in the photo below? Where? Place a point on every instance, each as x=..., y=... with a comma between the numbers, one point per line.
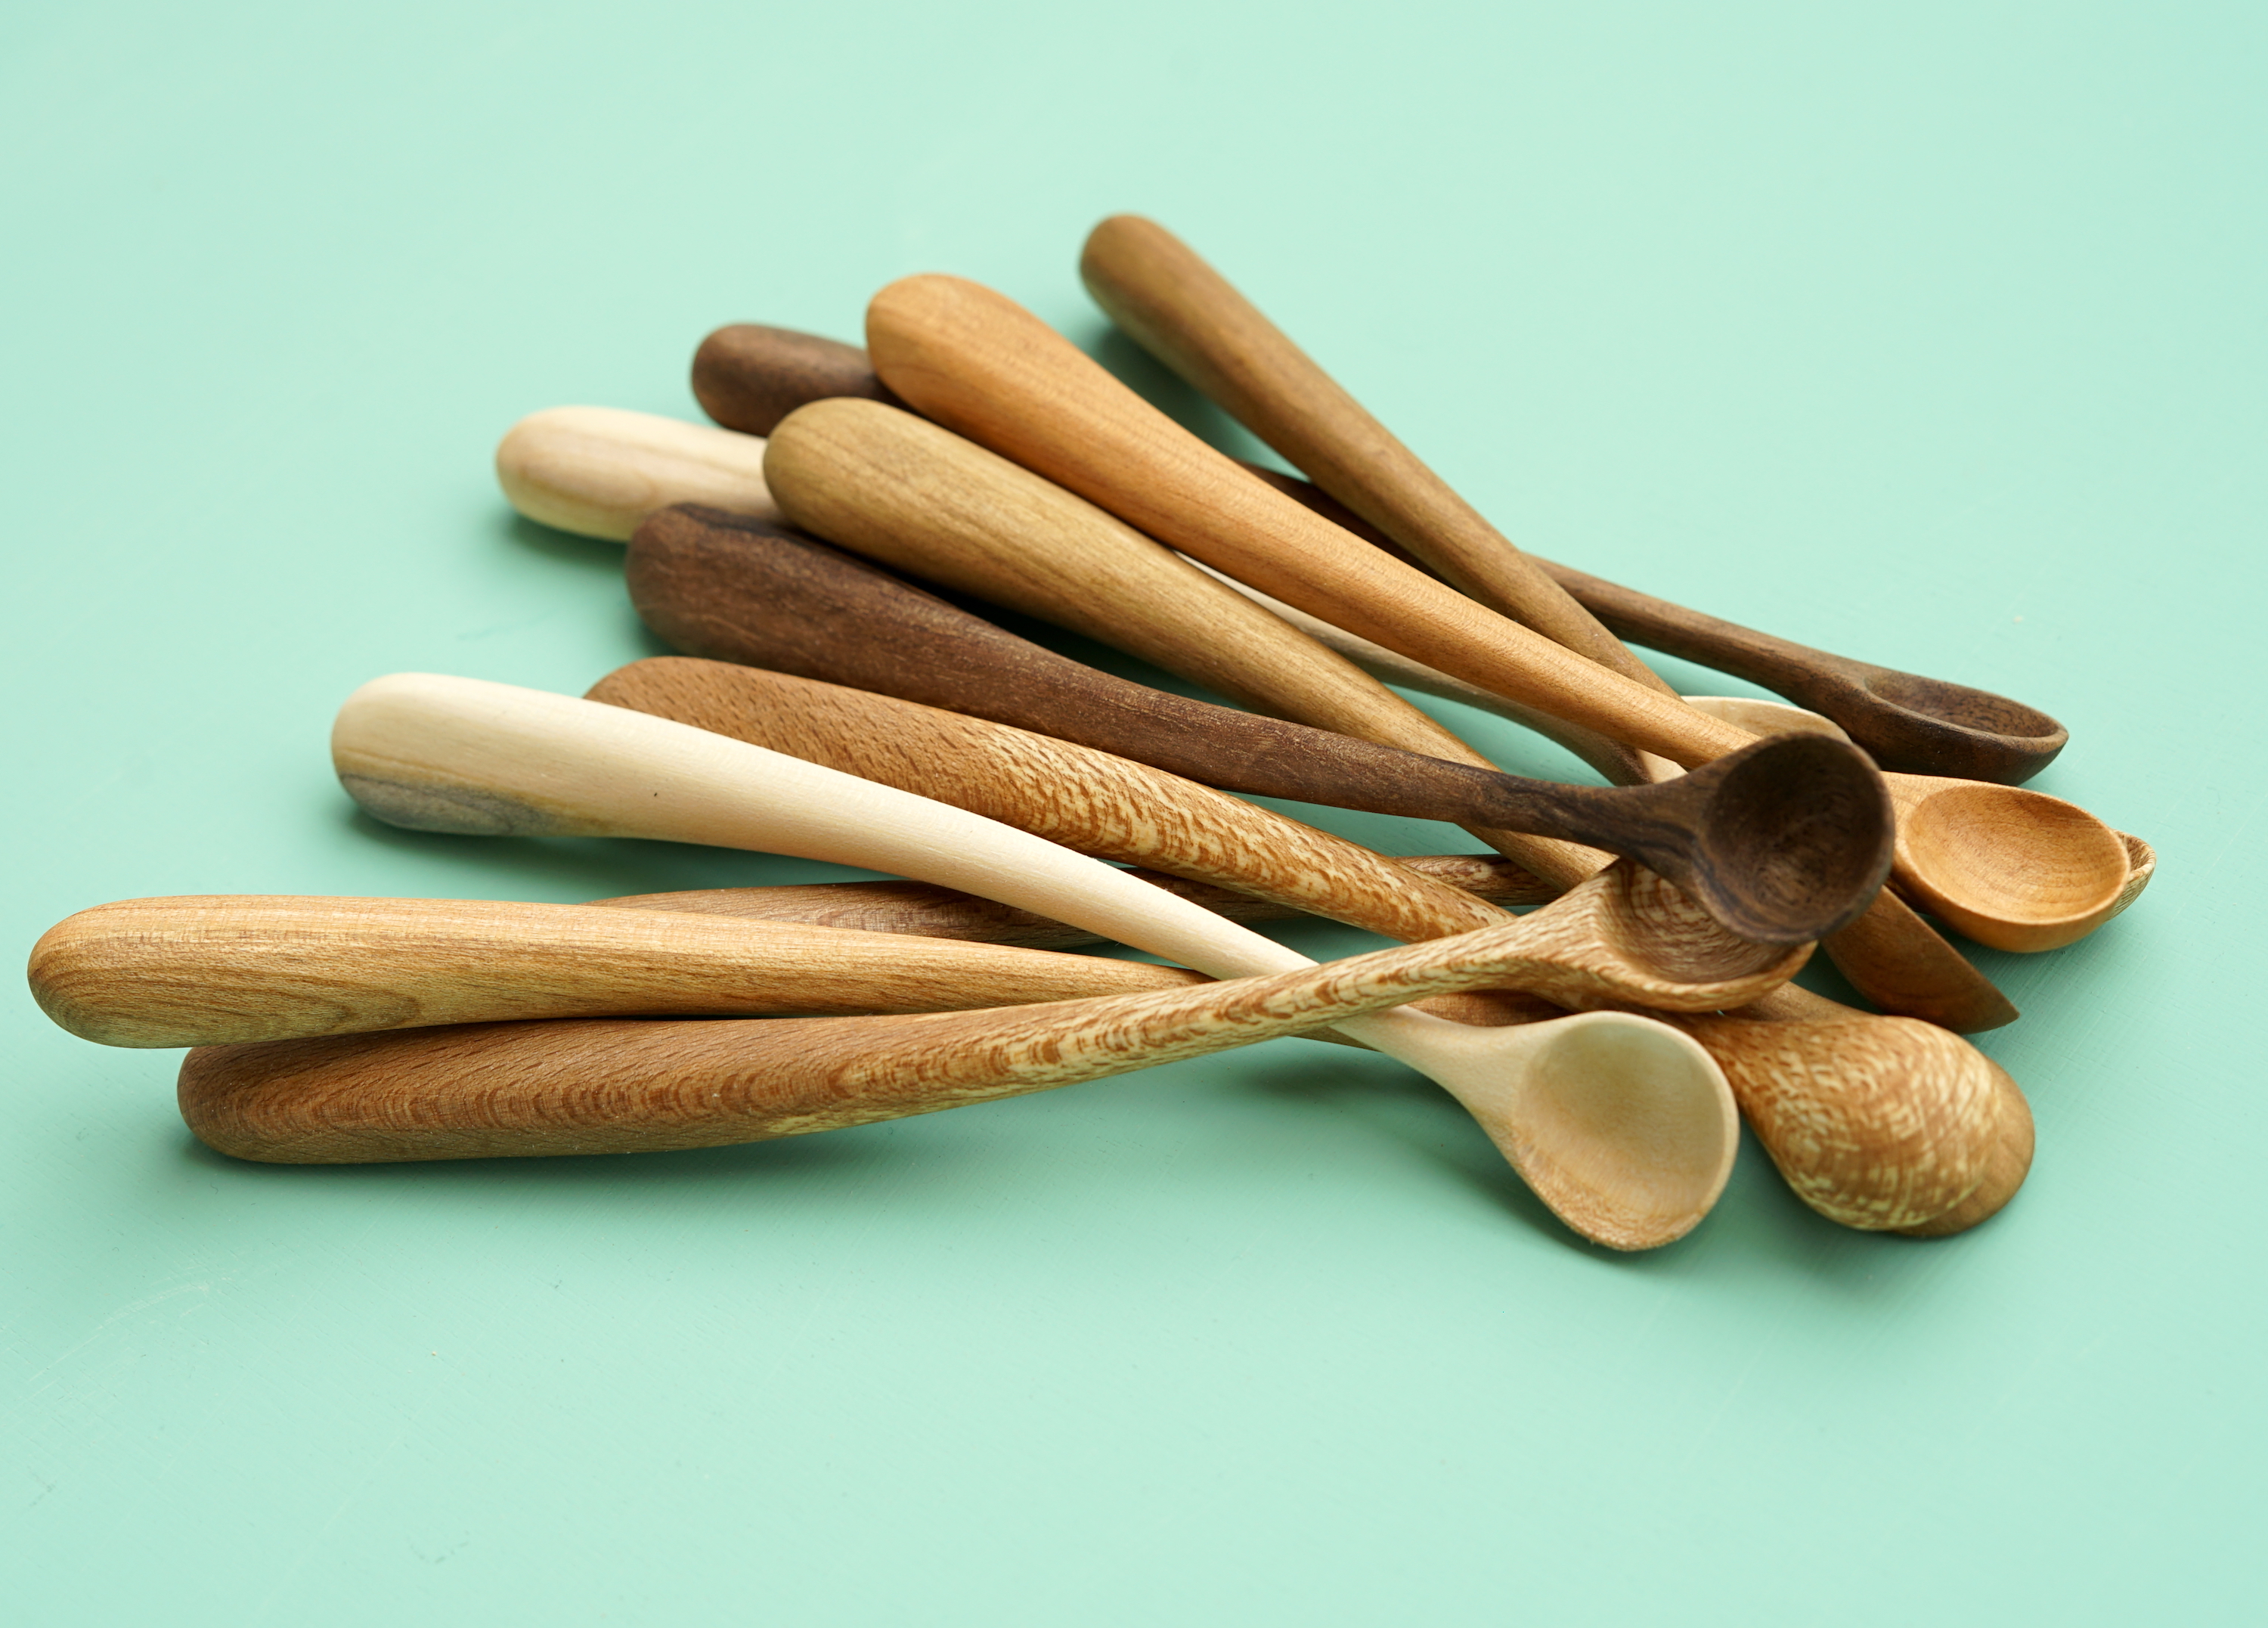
x=1190, y=318
x=1778, y=851
x=216, y=971
x=459, y=754
x=1838, y=1099
x=747, y=376
x=979, y=363
x=1592, y=1106
x=600, y=470
x=1921, y=725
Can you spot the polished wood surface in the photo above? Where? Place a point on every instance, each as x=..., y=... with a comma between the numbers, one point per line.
x=1784, y=842
x=747, y=376
x=600, y=470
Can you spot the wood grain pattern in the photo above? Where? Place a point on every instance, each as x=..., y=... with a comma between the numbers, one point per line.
x=978, y=364
x=747, y=376
x=1908, y=723
x=216, y=970
x=599, y=471
x=1188, y=316
x=917, y=499
x=1654, y=949
x=460, y=755
x=1594, y=1115
x=1782, y=843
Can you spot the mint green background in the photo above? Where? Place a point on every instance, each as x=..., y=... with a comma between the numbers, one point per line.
x=1933, y=334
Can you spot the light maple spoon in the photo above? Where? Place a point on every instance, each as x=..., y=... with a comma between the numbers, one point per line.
x=1781, y=843
x=459, y=754
x=2012, y=869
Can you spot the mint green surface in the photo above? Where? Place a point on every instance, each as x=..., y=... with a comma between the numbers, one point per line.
x=1932, y=334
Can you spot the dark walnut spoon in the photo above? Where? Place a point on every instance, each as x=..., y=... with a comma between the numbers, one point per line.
x=1782, y=843
x=1919, y=725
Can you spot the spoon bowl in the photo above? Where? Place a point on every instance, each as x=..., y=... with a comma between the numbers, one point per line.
x=2011, y=868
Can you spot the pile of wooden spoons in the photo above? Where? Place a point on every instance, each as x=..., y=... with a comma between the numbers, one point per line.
x=829, y=705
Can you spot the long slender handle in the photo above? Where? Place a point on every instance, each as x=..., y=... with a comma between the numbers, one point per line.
x=461, y=754
x=598, y=1085
x=599, y=471
x=1086, y=800
x=922, y=499
x=945, y=913
x=216, y=971
x=1796, y=671
x=981, y=364
x=716, y=586
x=1191, y=316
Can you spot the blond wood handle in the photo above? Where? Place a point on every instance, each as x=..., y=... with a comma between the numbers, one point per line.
x=600, y=470
x=214, y=970
x=905, y=492
x=981, y=364
x=1191, y=318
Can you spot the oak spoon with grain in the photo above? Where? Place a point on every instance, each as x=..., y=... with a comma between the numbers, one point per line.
x=1869, y=1119
x=2014, y=874
x=599, y=1085
x=460, y=755
x=1778, y=844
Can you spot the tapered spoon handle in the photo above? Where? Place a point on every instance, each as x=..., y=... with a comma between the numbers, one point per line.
x=747, y=376
x=919, y=499
x=1089, y=801
x=1191, y=318
x=1921, y=725
x=598, y=1085
x=946, y=913
x=205, y=971
x=978, y=362
x=599, y=471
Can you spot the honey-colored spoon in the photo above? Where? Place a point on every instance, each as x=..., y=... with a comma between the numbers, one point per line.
x=1920, y=726
x=2018, y=877
x=1189, y=317
x=459, y=754
x=1588, y=1106
x=1782, y=843
x=1872, y=1121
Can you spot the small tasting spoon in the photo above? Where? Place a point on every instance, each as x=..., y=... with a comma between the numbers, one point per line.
x=2015, y=874
x=1908, y=723
x=460, y=755
x=1782, y=843
x=1565, y=1097
x=1869, y=1118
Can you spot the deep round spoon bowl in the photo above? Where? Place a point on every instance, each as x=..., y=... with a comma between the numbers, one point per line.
x=2015, y=869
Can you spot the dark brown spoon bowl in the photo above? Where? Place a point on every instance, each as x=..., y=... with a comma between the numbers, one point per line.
x=1776, y=867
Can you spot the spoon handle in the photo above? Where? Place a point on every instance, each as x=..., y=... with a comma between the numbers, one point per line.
x=919, y=499
x=600, y=1085
x=1089, y=801
x=205, y=971
x=747, y=376
x=716, y=586
x=599, y=471
x=945, y=913
x=980, y=363
x=1191, y=318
